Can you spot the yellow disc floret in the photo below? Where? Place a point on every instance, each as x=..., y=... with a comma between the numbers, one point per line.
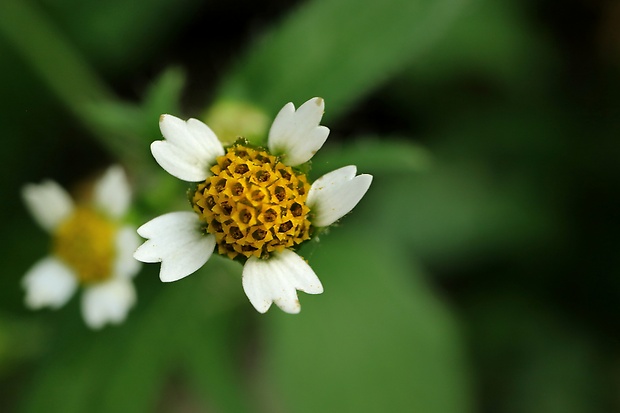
x=253, y=203
x=85, y=242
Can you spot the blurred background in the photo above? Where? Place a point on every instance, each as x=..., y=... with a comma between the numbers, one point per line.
x=479, y=274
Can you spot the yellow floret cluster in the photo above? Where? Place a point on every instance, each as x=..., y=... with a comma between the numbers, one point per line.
x=253, y=203
x=85, y=242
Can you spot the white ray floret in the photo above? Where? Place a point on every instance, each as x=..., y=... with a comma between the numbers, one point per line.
x=112, y=193
x=296, y=134
x=108, y=302
x=49, y=283
x=277, y=279
x=127, y=241
x=176, y=240
x=48, y=203
x=335, y=194
x=189, y=149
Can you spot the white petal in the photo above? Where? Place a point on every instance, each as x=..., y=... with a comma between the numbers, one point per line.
x=108, y=302
x=297, y=135
x=276, y=280
x=127, y=241
x=191, y=135
x=176, y=240
x=112, y=192
x=48, y=203
x=49, y=283
x=335, y=194
x=178, y=163
x=190, y=148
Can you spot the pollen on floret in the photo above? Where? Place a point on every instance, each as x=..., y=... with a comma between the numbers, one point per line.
x=253, y=203
x=85, y=242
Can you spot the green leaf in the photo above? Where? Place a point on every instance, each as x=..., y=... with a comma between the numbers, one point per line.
x=377, y=339
x=87, y=369
x=117, y=125
x=512, y=53
x=456, y=210
x=373, y=156
x=340, y=50
x=208, y=350
x=164, y=95
x=125, y=368
x=211, y=360
x=546, y=361
x=118, y=36
x=39, y=42
x=20, y=339
x=133, y=127
x=138, y=124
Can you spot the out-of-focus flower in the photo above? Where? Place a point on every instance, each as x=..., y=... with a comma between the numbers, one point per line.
x=231, y=119
x=90, y=247
x=252, y=204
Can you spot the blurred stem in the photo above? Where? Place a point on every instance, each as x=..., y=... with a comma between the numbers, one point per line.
x=59, y=65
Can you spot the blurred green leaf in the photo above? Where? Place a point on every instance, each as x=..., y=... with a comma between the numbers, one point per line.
x=164, y=95
x=215, y=327
x=488, y=39
x=22, y=243
x=531, y=359
x=20, y=339
x=457, y=210
x=117, y=118
x=39, y=42
x=340, y=50
x=85, y=368
x=373, y=156
x=376, y=340
x=125, y=368
x=119, y=35
x=135, y=126
x=43, y=46
x=212, y=362
x=119, y=126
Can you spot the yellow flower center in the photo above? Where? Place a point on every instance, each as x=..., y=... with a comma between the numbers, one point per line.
x=253, y=203
x=85, y=242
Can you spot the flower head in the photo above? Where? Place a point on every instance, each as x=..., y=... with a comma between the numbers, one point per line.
x=90, y=248
x=250, y=203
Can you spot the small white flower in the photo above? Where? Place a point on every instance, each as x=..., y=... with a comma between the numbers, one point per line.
x=89, y=248
x=250, y=204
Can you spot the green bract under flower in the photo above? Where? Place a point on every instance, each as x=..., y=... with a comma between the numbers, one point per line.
x=250, y=203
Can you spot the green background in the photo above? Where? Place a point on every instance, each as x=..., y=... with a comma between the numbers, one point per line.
x=479, y=274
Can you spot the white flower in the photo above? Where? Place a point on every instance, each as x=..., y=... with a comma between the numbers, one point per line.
x=250, y=203
x=89, y=248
